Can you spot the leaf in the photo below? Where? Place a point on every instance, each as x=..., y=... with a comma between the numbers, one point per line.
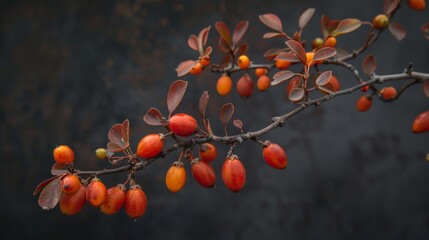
x=270, y=54
x=239, y=32
x=202, y=38
x=153, y=117
x=324, y=53
x=176, y=91
x=296, y=94
x=273, y=34
x=224, y=46
x=281, y=76
x=50, y=195
x=328, y=25
x=59, y=169
x=119, y=136
x=43, y=184
x=238, y=123
x=241, y=50
x=272, y=21
x=306, y=17
x=389, y=6
x=207, y=52
x=346, y=26
x=397, y=30
x=193, y=42
x=297, y=48
x=202, y=105
x=323, y=78
x=226, y=112
x=225, y=61
x=184, y=67
x=287, y=56
x=426, y=88
x=223, y=31
x=369, y=64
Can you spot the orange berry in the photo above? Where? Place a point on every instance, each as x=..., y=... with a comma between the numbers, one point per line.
x=282, y=64
x=96, y=192
x=224, y=85
x=310, y=56
x=263, y=83
x=293, y=83
x=205, y=61
x=114, y=201
x=175, y=177
x=150, y=146
x=182, y=124
x=243, y=62
x=421, y=123
x=380, y=21
x=70, y=184
x=317, y=43
x=135, y=202
x=101, y=153
x=333, y=85
x=197, y=69
x=203, y=173
x=275, y=156
x=417, y=4
x=245, y=86
x=233, y=174
x=208, y=152
x=388, y=93
x=63, y=154
x=330, y=42
x=72, y=204
x=364, y=103
x=260, y=71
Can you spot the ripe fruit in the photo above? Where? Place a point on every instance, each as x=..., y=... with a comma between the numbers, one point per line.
x=135, y=202
x=182, y=124
x=71, y=204
x=176, y=177
x=282, y=64
x=197, y=69
x=224, y=85
x=274, y=155
x=245, y=86
x=260, y=71
x=333, y=85
x=317, y=43
x=63, y=154
x=203, y=173
x=150, y=146
x=417, y=4
x=70, y=184
x=96, y=192
x=233, y=174
x=114, y=201
x=205, y=61
x=310, y=56
x=380, y=21
x=364, y=103
x=208, y=152
x=388, y=93
x=364, y=88
x=263, y=83
x=330, y=42
x=101, y=153
x=243, y=62
x=421, y=122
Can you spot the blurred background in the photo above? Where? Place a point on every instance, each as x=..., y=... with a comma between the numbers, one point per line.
x=69, y=70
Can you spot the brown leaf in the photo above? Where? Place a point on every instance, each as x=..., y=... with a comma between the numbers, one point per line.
x=223, y=31
x=43, y=184
x=238, y=123
x=426, y=88
x=282, y=76
x=328, y=25
x=225, y=61
x=241, y=50
x=59, y=169
x=324, y=53
x=239, y=32
x=272, y=21
x=119, y=136
x=184, y=67
x=226, y=112
x=270, y=54
x=153, y=117
x=193, y=42
x=297, y=48
x=306, y=17
x=397, y=30
x=287, y=56
x=202, y=105
x=50, y=195
x=389, y=6
x=202, y=38
x=296, y=94
x=273, y=34
x=207, y=52
x=176, y=91
x=323, y=78
x=369, y=64
x=224, y=46
x=346, y=26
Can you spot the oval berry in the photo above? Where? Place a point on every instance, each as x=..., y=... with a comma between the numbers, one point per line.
x=417, y=4
x=263, y=83
x=114, y=201
x=96, y=192
x=72, y=204
x=150, y=146
x=205, y=61
x=245, y=86
x=197, y=69
x=333, y=85
x=282, y=64
x=260, y=71
x=175, y=177
x=203, y=173
x=421, y=122
x=208, y=152
x=224, y=85
x=233, y=174
x=330, y=42
x=364, y=103
x=70, y=184
x=182, y=124
x=380, y=21
x=388, y=93
x=243, y=62
x=135, y=202
x=275, y=156
x=63, y=154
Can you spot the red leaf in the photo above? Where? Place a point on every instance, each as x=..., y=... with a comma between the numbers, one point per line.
x=369, y=64
x=224, y=46
x=346, y=26
x=43, y=184
x=426, y=88
x=226, y=112
x=281, y=76
x=225, y=61
x=328, y=25
x=239, y=32
x=324, y=53
x=119, y=136
x=389, y=6
x=323, y=78
x=238, y=123
x=59, y=169
x=241, y=50
x=184, y=67
x=273, y=34
x=270, y=54
x=153, y=117
x=223, y=31
x=207, y=52
x=272, y=21
x=296, y=94
x=397, y=31
x=202, y=38
x=287, y=56
x=193, y=42
x=50, y=195
x=306, y=17
x=202, y=105
x=297, y=48
x=176, y=91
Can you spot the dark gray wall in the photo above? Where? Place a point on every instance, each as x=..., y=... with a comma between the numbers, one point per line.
x=71, y=69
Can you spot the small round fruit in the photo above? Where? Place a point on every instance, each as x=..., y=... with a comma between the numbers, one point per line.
x=282, y=64
x=317, y=43
x=224, y=85
x=205, y=61
x=101, y=153
x=63, y=154
x=233, y=174
x=263, y=83
x=96, y=192
x=260, y=71
x=333, y=85
x=175, y=177
x=381, y=21
x=208, y=152
x=197, y=69
x=203, y=173
x=135, y=202
x=245, y=86
x=310, y=56
x=364, y=88
x=388, y=93
x=150, y=146
x=243, y=62
x=72, y=204
x=421, y=122
x=274, y=155
x=417, y=4
x=114, y=201
x=70, y=184
x=364, y=103
x=182, y=124
x=330, y=42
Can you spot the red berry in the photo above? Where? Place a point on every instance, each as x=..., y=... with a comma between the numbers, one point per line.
x=63, y=154
x=182, y=124
x=175, y=177
x=114, y=201
x=96, y=192
x=421, y=122
x=70, y=184
x=203, y=173
x=364, y=103
x=208, y=152
x=135, y=202
x=275, y=156
x=233, y=174
x=388, y=93
x=245, y=86
x=150, y=146
x=71, y=204
x=263, y=83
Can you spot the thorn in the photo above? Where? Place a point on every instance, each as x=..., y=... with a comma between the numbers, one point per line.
x=409, y=69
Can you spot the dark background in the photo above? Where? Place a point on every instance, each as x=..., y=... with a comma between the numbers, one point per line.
x=71, y=69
